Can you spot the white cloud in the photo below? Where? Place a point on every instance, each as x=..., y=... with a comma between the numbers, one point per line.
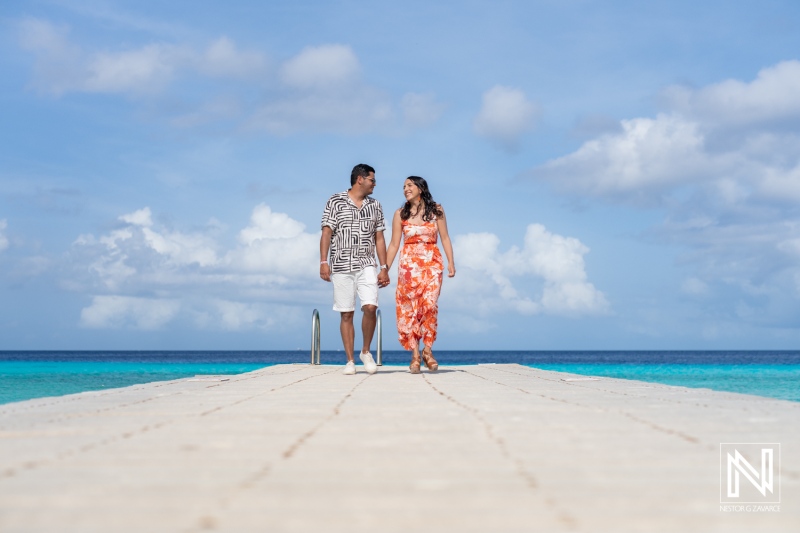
x=322, y=67
x=644, y=158
x=553, y=261
x=275, y=243
x=253, y=284
x=270, y=275
x=142, y=217
x=722, y=163
x=3, y=238
x=506, y=114
x=320, y=89
x=62, y=66
x=146, y=70
x=125, y=311
x=323, y=92
x=771, y=97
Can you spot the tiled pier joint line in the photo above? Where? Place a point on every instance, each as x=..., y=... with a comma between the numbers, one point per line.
x=790, y=472
x=263, y=471
x=564, y=516
x=622, y=393
x=633, y=417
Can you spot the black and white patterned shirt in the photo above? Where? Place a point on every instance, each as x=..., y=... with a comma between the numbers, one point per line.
x=353, y=243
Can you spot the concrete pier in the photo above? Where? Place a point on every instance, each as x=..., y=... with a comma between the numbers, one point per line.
x=469, y=448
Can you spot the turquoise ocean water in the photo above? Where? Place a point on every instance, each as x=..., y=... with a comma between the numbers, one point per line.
x=25, y=375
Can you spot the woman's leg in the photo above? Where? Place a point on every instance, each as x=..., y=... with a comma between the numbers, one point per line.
x=429, y=312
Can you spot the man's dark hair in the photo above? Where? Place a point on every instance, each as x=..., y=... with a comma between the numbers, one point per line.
x=360, y=171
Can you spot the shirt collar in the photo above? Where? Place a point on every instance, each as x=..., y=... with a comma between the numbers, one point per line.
x=367, y=199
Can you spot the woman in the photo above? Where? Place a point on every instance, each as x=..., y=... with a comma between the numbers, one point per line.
x=419, y=272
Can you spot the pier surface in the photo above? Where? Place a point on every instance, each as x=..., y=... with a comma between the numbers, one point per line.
x=469, y=448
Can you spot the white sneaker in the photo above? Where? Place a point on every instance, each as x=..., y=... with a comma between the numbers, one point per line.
x=349, y=368
x=369, y=363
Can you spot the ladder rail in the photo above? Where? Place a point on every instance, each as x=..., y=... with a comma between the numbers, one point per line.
x=315, y=338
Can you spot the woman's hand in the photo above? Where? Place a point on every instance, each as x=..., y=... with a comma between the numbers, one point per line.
x=451, y=270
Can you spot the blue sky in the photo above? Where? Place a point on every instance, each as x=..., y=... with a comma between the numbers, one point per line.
x=617, y=175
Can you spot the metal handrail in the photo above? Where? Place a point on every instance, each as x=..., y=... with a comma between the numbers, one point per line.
x=315, y=337
x=378, y=325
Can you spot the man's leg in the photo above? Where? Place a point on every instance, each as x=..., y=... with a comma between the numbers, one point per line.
x=348, y=333
x=368, y=321
x=344, y=301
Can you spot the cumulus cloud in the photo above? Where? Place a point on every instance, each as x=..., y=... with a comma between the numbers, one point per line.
x=143, y=275
x=770, y=97
x=552, y=262
x=323, y=92
x=142, y=217
x=148, y=69
x=3, y=238
x=721, y=135
x=253, y=284
x=275, y=243
x=723, y=162
x=326, y=66
x=506, y=114
x=645, y=157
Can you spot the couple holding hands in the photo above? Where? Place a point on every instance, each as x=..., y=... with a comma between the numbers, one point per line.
x=352, y=234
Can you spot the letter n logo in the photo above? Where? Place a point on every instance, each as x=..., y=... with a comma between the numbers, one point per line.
x=747, y=472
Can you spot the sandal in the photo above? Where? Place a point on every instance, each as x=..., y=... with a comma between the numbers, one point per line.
x=430, y=362
x=414, y=367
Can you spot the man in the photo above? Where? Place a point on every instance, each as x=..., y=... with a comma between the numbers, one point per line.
x=352, y=232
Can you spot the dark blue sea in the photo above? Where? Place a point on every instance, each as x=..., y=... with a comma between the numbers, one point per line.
x=27, y=374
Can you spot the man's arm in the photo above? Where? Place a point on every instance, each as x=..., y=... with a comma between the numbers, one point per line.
x=324, y=249
x=380, y=247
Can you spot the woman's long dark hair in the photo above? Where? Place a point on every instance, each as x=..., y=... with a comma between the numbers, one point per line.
x=431, y=207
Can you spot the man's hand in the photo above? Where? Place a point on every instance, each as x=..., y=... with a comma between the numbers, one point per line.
x=383, y=278
x=325, y=271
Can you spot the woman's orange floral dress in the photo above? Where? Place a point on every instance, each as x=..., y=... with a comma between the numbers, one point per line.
x=419, y=282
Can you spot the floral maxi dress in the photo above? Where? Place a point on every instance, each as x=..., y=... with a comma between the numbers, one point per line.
x=419, y=282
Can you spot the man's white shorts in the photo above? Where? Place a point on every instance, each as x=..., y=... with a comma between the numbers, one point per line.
x=347, y=284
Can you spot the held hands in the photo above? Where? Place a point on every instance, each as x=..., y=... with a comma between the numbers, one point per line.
x=383, y=278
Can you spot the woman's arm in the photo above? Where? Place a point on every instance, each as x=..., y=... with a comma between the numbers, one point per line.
x=394, y=244
x=448, y=247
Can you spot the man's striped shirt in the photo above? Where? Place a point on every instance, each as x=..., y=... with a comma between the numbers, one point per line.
x=353, y=242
